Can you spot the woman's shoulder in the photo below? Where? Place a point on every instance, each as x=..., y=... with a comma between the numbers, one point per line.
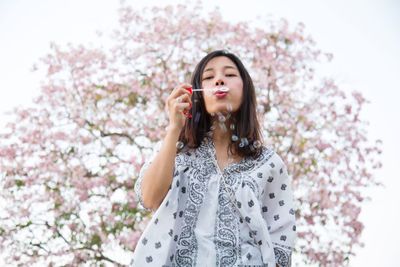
x=185, y=156
x=269, y=155
x=196, y=150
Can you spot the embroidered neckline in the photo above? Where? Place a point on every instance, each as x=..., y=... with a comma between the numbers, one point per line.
x=231, y=166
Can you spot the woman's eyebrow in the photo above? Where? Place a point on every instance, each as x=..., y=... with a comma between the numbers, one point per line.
x=225, y=67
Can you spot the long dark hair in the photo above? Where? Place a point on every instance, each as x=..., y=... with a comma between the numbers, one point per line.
x=247, y=127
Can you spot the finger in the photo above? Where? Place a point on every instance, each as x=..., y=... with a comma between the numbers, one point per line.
x=179, y=99
x=180, y=107
x=182, y=89
x=187, y=87
x=184, y=98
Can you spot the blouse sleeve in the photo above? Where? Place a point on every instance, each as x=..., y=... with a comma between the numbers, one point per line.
x=278, y=211
x=138, y=183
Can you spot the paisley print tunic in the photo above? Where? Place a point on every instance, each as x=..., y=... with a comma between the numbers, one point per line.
x=240, y=216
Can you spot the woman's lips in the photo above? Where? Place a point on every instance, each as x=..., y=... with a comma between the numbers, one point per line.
x=221, y=94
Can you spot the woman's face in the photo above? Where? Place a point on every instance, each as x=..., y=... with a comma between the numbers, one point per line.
x=222, y=72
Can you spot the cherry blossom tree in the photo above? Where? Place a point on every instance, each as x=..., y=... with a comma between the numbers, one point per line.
x=69, y=162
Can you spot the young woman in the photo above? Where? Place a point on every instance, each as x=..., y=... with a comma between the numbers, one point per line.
x=220, y=197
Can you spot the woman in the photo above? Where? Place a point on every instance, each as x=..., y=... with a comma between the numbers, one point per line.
x=220, y=197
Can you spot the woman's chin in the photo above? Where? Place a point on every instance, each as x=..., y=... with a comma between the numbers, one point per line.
x=222, y=110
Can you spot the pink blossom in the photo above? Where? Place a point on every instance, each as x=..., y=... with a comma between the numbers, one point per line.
x=130, y=239
x=131, y=199
x=322, y=146
x=8, y=152
x=358, y=97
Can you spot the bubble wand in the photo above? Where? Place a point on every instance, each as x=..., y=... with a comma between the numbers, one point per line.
x=220, y=89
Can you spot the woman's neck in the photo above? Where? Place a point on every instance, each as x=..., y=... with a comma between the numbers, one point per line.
x=222, y=134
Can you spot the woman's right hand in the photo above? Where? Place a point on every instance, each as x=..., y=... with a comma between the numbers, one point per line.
x=178, y=103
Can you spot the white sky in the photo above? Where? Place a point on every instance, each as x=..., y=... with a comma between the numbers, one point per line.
x=364, y=37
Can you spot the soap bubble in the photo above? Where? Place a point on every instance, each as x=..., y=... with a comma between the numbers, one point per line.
x=179, y=145
x=235, y=138
x=257, y=144
x=229, y=107
x=197, y=117
x=252, y=149
x=223, y=127
x=223, y=89
x=232, y=126
x=244, y=141
x=221, y=118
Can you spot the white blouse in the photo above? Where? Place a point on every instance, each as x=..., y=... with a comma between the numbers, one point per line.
x=241, y=216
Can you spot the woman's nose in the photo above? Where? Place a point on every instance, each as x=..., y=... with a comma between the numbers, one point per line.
x=219, y=82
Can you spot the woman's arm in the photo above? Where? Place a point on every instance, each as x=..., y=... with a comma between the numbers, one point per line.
x=278, y=211
x=158, y=176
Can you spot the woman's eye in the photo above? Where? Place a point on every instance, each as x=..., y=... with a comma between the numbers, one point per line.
x=207, y=78
x=231, y=75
